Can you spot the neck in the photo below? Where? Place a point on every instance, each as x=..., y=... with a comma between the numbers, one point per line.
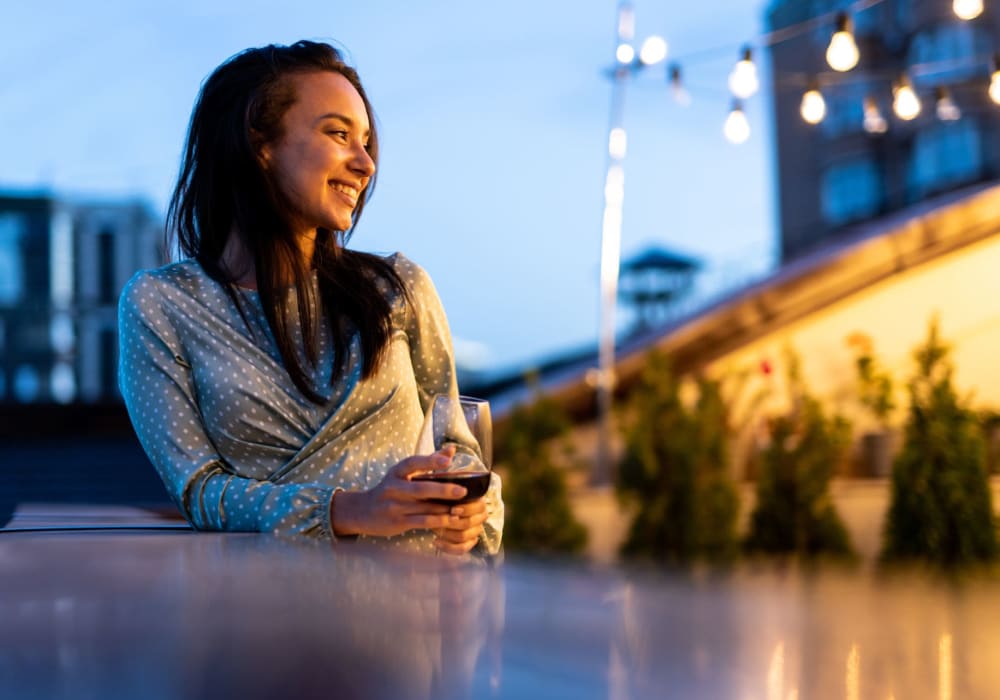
x=237, y=261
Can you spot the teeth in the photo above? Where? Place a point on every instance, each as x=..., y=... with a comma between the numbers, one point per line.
x=346, y=189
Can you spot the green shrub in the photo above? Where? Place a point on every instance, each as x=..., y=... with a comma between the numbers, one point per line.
x=674, y=471
x=940, y=507
x=538, y=515
x=794, y=513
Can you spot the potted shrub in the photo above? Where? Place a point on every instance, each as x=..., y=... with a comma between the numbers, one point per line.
x=876, y=395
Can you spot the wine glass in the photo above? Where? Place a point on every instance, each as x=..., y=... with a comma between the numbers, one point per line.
x=466, y=424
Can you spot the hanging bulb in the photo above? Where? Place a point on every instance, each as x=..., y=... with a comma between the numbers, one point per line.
x=905, y=102
x=625, y=54
x=967, y=9
x=681, y=96
x=813, y=107
x=995, y=80
x=736, y=128
x=874, y=122
x=743, y=80
x=947, y=110
x=653, y=50
x=842, y=53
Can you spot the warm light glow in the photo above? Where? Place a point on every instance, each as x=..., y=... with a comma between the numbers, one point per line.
x=736, y=128
x=681, y=96
x=614, y=186
x=905, y=102
x=743, y=80
x=617, y=142
x=995, y=84
x=947, y=110
x=813, y=106
x=625, y=54
x=852, y=674
x=653, y=50
x=842, y=53
x=874, y=122
x=967, y=9
x=944, y=667
x=776, y=673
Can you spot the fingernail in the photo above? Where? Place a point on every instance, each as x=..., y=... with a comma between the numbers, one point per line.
x=442, y=460
x=457, y=510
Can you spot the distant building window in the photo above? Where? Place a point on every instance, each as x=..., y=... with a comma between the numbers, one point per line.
x=27, y=385
x=61, y=333
x=947, y=52
x=63, y=383
x=945, y=155
x=109, y=363
x=845, y=108
x=106, y=266
x=11, y=258
x=851, y=191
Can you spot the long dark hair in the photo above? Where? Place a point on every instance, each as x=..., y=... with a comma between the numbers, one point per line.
x=223, y=188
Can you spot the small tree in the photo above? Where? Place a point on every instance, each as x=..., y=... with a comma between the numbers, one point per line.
x=940, y=507
x=674, y=470
x=794, y=513
x=539, y=518
x=874, y=382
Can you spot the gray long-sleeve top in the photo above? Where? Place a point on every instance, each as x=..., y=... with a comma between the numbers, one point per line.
x=237, y=445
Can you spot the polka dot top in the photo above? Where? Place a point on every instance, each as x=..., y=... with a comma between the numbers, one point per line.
x=237, y=445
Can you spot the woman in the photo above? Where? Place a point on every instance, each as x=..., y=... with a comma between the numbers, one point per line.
x=277, y=380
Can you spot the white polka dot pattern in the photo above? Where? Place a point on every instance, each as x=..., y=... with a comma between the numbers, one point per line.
x=237, y=445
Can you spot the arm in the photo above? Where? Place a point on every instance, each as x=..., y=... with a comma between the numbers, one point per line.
x=432, y=356
x=159, y=394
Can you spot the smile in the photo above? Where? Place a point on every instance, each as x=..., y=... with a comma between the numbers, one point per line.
x=345, y=189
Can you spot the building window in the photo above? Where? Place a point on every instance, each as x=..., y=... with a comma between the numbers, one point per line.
x=11, y=258
x=946, y=52
x=63, y=383
x=851, y=191
x=27, y=385
x=109, y=363
x=107, y=291
x=945, y=155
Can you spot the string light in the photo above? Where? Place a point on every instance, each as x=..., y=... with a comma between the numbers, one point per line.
x=967, y=9
x=874, y=122
x=995, y=80
x=736, y=128
x=947, y=110
x=905, y=102
x=625, y=54
x=681, y=95
x=842, y=53
x=653, y=50
x=813, y=107
x=743, y=80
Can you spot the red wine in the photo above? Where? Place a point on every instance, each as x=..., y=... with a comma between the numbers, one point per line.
x=475, y=484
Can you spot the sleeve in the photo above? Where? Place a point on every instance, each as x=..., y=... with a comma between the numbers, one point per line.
x=159, y=393
x=433, y=359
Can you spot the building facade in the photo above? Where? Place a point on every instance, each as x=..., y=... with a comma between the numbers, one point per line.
x=862, y=161
x=62, y=266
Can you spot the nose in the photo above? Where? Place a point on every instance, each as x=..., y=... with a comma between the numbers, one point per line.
x=362, y=162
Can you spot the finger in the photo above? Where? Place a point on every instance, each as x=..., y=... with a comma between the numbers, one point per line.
x=470, y=507
x=424, y=463
x=459, y=523
x=450, y=548
x=460, y=536
x=424, y=490
x=426, y=522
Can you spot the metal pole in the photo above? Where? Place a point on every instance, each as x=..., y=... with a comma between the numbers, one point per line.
x=611, y=229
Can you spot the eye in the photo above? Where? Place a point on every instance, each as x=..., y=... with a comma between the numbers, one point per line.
x=338, y=134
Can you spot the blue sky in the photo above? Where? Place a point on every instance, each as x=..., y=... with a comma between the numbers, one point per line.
x=493, y=121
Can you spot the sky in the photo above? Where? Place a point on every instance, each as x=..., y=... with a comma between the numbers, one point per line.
x=493, y=122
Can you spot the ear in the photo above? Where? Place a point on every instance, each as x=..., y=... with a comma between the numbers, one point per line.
x=262, y=148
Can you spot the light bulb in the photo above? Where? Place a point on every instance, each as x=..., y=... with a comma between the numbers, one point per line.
x=626, y=23
x=625, y=54
x=947, y=110
x=842, y=53
x=967, y=9
x=653, y=50
x=736, y=128
x=874, y=122
x=813, y=107
x=905, y=102
x=681, y=96
x=743, y=80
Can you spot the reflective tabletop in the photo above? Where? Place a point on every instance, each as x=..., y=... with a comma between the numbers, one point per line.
x=164, y=612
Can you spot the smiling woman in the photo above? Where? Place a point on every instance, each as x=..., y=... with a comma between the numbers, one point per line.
x=277, y=380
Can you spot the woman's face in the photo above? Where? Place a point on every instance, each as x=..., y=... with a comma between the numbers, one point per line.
x=321, y=162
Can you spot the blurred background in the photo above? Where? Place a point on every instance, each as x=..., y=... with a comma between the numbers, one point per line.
x=802, y=201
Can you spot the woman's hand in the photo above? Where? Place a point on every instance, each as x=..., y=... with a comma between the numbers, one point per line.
x=398, y=505
x=462, y=532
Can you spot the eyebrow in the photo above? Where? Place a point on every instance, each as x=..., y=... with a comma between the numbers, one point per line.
x=340, y=117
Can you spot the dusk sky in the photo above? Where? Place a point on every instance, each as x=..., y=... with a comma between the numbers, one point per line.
x=493, y=121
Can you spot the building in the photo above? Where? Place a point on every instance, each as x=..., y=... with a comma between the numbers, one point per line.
x=63, y=264
x=862, y=161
